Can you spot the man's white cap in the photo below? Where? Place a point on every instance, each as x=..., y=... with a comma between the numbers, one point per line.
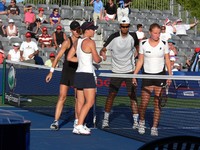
x=176, y=65
x=179, y=20
x=10, y=20
x=172, y=59
x=125, y=20
x=16, y=44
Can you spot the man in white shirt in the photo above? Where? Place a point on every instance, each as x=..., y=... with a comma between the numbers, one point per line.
x=28, y=50
x=182, y=28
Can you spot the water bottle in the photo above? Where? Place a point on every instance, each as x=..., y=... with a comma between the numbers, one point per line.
x=82, y=3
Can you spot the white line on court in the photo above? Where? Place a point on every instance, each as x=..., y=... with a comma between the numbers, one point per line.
x=48, y=129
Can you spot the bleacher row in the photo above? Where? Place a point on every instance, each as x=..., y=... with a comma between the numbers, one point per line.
x=185, y=45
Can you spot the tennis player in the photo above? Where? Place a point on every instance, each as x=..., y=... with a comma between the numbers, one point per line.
x=84, y=80
x=123, y=46
x=68, y=71
x=153, y=55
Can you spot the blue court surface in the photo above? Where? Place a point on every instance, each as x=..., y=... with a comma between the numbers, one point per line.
x=42, y=138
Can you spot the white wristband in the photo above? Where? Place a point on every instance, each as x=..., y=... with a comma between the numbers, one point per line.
x=52, y=69
x=101, y=58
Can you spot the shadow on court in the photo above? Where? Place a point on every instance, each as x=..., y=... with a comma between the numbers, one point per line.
x=42, y=138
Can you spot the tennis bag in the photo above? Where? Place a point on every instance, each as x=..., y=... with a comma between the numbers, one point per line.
x=195, y=63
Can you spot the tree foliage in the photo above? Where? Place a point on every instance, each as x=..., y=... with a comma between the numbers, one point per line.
x=193, y=6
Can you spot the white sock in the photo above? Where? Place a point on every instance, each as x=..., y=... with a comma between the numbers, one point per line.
x=106, y=115
x=135, y=117
x=76, y=121
x=142, y=122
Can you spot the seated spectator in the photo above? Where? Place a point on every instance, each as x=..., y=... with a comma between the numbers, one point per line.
x=29, y=17
x=98, y=10
x=11, y=29
x=174, y=65
x=2, y=55
x=59, y=36
x=50, y=61
x=14, y=54
x=2, y=29
x=110, y=10
x=164, y=35
x=45, y=39
x=3, y=8
x=170, y=29
x=172, y=49
x=28, y=50
x=41, y=15
x=13, y=9
x=139, y=32
x=182, y=28
x=37, y=30
x=55, y=17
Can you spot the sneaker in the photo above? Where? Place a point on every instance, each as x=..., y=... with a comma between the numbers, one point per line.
x=154, y=131
x=105, y=124
x=54, y=125
x=86, y=128
x=79, y=129
x=141, y=127
x=135, y=125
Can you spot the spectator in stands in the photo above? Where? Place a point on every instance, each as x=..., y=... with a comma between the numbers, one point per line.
x=3, y=8
x=14, y=54
x=153, y=55
x=123, y=46
x=29, y=17
x=174, y=66
x=37, y=30
x=110, y=10
x=28, y=50
x=2, y=29
x=67, y=77
x=84, y=79
x=13, y=9
x=50, y=61
x=173, y=51
x=41, y=15
x=181, y=29
x=11, y=29
x=55, y=17
x=164, y=35
x=139, y=32
x=98, y=10
x=45, y=39
x=2, y=55
x=123, y=8
x=170, y=28
x=59, y=36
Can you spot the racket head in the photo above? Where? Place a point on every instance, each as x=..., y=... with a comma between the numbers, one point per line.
x=163, y=96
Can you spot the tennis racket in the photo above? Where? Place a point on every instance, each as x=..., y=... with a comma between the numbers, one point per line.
x=163, y=96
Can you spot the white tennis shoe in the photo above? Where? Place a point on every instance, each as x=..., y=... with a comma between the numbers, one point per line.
x=54, y=125
x=105, y=124
x=79, y=129
x=141, y=128
x=154, y=131
x=135, y=125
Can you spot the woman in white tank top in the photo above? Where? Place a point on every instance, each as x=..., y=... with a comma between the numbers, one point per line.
x=84, y=81
x=11, y=29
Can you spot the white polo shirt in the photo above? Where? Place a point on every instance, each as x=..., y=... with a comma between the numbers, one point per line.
x=154, y=57
x=28, y=48
x=15, y=56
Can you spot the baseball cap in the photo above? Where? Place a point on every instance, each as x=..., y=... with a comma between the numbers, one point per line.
x=74, y=25
x=88, y=25
x=11, y=21
x=125, y=20
x=44, y=29
x=172, y=58
x=59, y=27
x=41, y=9
x=28, y=34
x=16, y=44
x=167, y=21
x=52, y=55
x=171, y=41
x=179, y=20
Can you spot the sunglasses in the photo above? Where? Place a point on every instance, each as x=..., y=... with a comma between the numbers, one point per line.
x=125, y=27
